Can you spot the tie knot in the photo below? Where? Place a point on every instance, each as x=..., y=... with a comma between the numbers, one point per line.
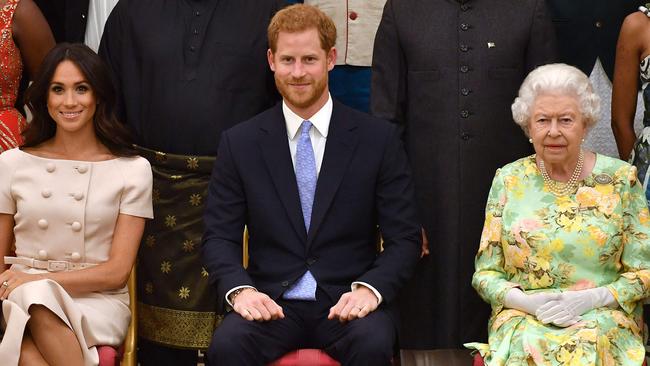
x=305, y=127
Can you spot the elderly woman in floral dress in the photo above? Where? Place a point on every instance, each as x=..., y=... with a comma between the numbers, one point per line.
x=564, y=257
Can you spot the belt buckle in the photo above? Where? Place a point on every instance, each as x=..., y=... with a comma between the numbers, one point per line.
x=57, y=266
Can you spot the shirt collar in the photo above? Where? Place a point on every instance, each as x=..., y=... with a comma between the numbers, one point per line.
x=320, y=120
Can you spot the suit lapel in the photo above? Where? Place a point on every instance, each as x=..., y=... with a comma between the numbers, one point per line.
x=341, y=142
x=275, y=151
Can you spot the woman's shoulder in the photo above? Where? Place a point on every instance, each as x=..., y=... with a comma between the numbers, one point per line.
x=520, y=166
x=134, y=168
x=617, y=169
x=11, y=157
x=606, y=163
x=135, y=162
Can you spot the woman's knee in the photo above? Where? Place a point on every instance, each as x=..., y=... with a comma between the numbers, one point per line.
x=41, y=316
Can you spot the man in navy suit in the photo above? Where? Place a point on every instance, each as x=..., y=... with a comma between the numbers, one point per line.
x=312, y=180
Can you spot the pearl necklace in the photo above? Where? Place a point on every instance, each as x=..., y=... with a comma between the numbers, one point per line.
x=563, y=189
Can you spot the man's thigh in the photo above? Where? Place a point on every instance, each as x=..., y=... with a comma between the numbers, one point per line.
x=360, y=340
x=243, y=342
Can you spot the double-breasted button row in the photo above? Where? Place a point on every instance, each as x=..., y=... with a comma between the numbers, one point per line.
x=46, y=193
x=51, y=167
x=42, y=255
x=44, y=224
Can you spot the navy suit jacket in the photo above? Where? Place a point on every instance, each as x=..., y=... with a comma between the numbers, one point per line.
x=364, y=182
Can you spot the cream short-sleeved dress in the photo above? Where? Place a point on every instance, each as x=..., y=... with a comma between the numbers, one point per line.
x=66, y=210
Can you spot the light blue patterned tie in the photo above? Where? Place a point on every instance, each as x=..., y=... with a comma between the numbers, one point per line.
x=305, y=287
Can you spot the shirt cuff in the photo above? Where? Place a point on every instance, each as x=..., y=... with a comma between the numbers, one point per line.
x=235, y=289
x=356, y=284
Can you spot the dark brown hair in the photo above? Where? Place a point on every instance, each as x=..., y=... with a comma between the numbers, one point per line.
x=110, y=132
x=298, y=18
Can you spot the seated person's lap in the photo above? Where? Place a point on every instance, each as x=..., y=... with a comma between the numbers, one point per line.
x=305, y=326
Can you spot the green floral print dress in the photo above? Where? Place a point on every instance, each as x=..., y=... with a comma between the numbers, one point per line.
x=537, y=241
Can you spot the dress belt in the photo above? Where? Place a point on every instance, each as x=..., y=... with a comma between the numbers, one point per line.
x=49, y=265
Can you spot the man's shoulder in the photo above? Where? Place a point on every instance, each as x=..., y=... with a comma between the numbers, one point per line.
x=260, y=122
x=367, y=123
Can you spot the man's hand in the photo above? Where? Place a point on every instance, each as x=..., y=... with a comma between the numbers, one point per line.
x=352, y=305
x=253, y=305
x=425, y=244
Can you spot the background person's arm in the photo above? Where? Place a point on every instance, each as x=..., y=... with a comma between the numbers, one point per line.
x=629, y=50
x=32, y=35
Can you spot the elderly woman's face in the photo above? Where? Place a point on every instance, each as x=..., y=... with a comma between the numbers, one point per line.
x=557, y=128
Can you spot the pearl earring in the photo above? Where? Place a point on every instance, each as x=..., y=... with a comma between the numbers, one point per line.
x=530, y=140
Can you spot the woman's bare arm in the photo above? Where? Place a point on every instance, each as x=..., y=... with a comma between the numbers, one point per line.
x=32, y=34
x=632, y=45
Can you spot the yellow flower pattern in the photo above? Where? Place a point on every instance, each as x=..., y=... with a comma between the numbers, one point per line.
x=540, y=242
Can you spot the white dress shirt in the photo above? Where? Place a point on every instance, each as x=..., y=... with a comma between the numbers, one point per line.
x=318, y=135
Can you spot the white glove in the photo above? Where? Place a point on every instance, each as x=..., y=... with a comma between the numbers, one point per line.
x=517, y=299
x=567, y=309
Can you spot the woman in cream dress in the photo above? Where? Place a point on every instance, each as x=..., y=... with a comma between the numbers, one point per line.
x=74, y=198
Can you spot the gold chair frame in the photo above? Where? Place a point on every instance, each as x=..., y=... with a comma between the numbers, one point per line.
x=130, y=356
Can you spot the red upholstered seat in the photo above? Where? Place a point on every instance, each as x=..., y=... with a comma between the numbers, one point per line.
x=109, y=356
x=478, y=361
x=305, y=357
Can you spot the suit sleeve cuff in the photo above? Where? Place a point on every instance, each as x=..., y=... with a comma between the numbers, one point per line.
x=374, y=290
x=235, y=289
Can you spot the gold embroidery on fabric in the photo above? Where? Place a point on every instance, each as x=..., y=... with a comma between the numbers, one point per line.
x=184, y=292
x=192, y=163
x=148, y=288
x=150, y=241
x=155, y=195
x=185, y=329
x=188, y=245
x=204, y=273
x=161, y=156
x=165, y=267
x=6, y=138
x=170, y=221
x=195, y=199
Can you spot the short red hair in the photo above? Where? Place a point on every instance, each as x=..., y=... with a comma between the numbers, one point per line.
x=298, y=18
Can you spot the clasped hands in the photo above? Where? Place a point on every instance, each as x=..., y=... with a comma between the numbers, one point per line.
x=258, y=306
x=560, y=309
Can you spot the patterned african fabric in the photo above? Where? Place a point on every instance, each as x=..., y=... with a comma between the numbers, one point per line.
x=176, y=304
x=595, y=237
x=641, y=154
x=11, y=68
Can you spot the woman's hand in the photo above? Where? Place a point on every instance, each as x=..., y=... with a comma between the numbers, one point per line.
x=517, y=299
x=572, y=304
x=11, y=279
